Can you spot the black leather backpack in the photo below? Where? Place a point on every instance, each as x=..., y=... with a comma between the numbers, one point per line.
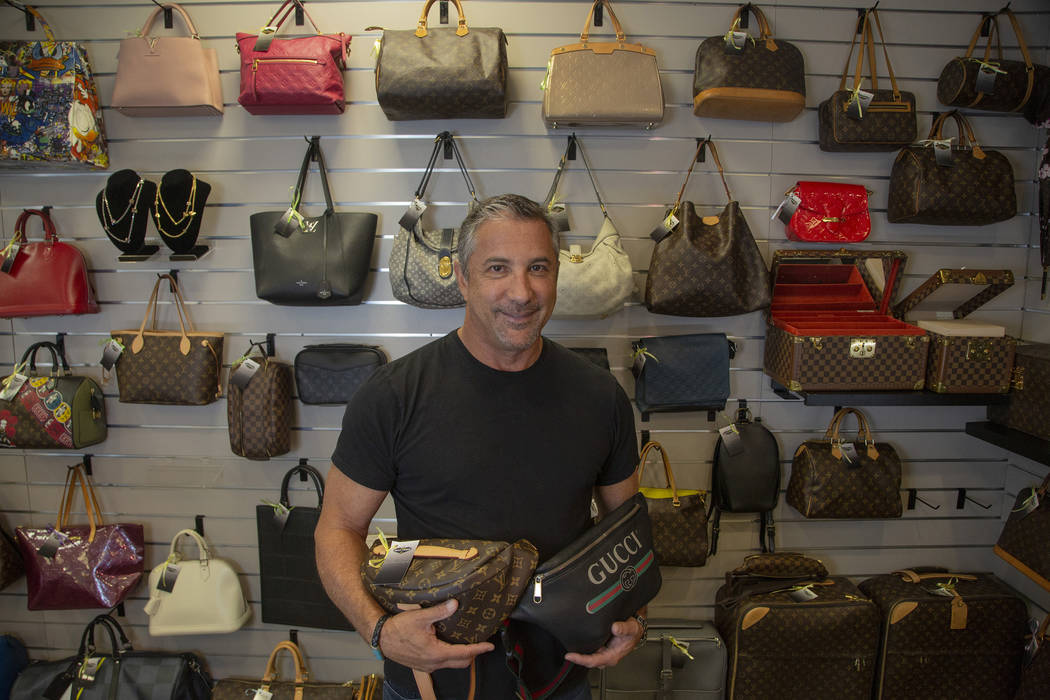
x=746, y=477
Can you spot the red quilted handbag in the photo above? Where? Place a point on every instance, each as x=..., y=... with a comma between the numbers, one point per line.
x=292, y=76
x=43, y=278
x=827, y=212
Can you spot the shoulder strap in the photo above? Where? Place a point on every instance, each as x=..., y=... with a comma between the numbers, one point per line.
x=439, y=142
x=721, y=173
x=169, y=6
x=573, y=141
x=585, y=34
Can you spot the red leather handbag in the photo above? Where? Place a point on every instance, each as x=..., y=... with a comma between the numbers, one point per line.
x=292, y=76
x=826, y=212
x=43, y=278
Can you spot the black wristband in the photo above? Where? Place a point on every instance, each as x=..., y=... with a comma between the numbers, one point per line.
x=376, y=631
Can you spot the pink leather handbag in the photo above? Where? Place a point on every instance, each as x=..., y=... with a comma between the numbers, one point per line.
x=292, y=76
x=167, y=76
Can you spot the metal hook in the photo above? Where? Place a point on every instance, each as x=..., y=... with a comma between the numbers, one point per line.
x=913, y=496
x=960, y=502
x=30, y=19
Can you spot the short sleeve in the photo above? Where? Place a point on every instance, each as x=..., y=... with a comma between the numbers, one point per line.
x=623, y=459
x=365, y=449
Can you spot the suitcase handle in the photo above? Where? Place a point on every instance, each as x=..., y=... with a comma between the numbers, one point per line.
x=909, y=576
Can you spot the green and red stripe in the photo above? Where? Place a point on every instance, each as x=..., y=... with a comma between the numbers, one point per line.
x=610, y=594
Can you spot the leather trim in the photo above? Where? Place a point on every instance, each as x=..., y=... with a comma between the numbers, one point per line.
x=902, y=610
x=753, y=617
x=749, y=103
x=1020, y=566
x=603, y=47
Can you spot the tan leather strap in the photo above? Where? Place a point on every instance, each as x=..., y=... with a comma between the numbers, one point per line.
x=425, y=684
x=301, y=673
x=966, y=136
x=1027, y=59
x=909, y=576
x=170, y=6
x=886, y=55
x=584, y=35
x=184, y=345
x=993, y=31
x=421, y=26
x=667, y=469
x=428, y=551
x=75, y=475
x=863, y=433
x=692, y=163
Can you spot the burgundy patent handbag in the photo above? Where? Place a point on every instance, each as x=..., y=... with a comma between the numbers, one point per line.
x=71, y=567
x=43, y=278
x=828, y=212
x=292, y=76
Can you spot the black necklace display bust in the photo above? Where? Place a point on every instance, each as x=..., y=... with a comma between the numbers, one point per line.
x=178, y=208
x=123, y=209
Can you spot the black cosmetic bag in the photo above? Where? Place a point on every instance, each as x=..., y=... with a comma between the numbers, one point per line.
x=682, y=373
x=331, y=374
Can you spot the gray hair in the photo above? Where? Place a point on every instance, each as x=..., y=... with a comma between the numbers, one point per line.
x=500, y=208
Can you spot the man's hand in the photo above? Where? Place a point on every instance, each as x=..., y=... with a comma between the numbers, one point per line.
x=626, y=635
x=409, y=639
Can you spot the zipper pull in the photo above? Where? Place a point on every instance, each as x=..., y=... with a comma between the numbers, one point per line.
x=537, y=589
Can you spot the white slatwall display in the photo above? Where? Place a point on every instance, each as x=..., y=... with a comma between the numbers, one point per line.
x=163, y=465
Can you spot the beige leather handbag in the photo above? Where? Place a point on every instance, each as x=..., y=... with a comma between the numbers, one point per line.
x=167, y=76
x=609, y=83
x=596, y=283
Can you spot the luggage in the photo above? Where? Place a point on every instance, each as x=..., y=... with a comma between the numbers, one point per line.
x=782, y=647
x=966, y=357
x=830, y=328
x=680, y=659
x=1028, y=404
x=1022, y=543
x=947, y=635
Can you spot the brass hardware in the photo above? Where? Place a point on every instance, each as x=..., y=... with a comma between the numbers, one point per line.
x=939, y=387
x=794, y=385
x=576, y=258
x=909, y=342
x=979, y=351
x=1017, y=378
x=445, y=267
x=796, y=339
x=818, y=343
x=831, y=220
x=862, y=348
x=980, y=278
x=945, y=275
x=919, y=385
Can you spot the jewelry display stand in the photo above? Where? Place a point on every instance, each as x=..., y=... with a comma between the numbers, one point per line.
x=123, y=209
x=178, y=208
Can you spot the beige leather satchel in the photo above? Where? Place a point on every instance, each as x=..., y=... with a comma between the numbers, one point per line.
x=610, y=83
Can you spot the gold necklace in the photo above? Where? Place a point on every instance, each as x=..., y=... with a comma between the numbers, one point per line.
x=158, y=205
x=107, y=213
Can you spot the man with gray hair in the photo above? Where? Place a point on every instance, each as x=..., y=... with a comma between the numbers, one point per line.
x=491, y=432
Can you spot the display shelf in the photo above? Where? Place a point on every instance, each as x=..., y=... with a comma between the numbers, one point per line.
x=885, y=398
x=1015, y=441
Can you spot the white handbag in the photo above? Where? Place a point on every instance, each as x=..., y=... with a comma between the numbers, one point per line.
x=195, y=596
x=597, y=283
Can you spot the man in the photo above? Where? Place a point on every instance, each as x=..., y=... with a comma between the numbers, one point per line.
x=492, y=432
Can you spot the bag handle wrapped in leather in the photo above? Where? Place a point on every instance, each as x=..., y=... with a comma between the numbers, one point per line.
x=204, y=553
x=765, y=32
x=302, y=674
x=966, y=136
x=151, y=307
x=75, y=475
x=170, y=6
x=548, y=202
x=721, y=173
x=585, y=34
x=421, y=26
x=667, y=469
x=302, y=468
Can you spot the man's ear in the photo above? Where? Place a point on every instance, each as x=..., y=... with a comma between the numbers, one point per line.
x=461, y=278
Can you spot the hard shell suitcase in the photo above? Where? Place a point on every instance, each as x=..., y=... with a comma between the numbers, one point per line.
x=947, y=635
x=780, y=648
x=1028, y=404
x=677, y=659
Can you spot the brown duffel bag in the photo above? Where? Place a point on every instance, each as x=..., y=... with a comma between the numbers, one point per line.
x=367, y=688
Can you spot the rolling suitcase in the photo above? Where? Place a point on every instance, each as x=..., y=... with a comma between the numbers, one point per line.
x=947, y=635
x=677, y=660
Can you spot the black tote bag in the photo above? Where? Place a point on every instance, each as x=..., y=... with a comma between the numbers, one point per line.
x=312, y=261
x=292, y=593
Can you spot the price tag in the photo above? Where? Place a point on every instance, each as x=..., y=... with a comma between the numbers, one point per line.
x=943, y=153
x=787, y=208
x=166, y=582
x=244, y=372
x=735, y=42
x=395, y=564
x=559, y=216
x=802, y=595
x=59, y=688
x=731, y=439
x=110, y=353
x=849, y=454
x=9, y=260
x=261, y=694
x=639, y=361
x=1031, y=504
x=14, y=383
x=942, y=591
x=857, y=108
x=281, y=513
x=88, y=670
x=411, y=216
x=986, y=76
x=666, y=226
x=49, y=548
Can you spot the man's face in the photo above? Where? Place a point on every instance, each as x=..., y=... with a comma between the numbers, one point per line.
x=511, y=284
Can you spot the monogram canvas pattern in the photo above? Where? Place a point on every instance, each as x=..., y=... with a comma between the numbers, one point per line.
x=487, y=586
x=11, y=568
x=236, y=689
x=705, y=269
x=1023, y=540
x=332, y=374
x=957, y=85
x=260, y=415
x=963, y=365
x=779, y=565
x=161, y=374
x=1028, y=408
x=886, y=126
x=679, y=533
x=757, y=66
x=441, y=75
x=414, y=271
x=923, y=657
x=588, y=87
x=823, y=486
x=596, y=283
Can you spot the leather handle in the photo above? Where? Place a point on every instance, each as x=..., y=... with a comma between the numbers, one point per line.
x=993, y=32
x=429, y=551
x=50, y=235
x=202, y=546
x=909, y=576
x=184, y=345
x=764, y=28
x=667, y=468
x=421, y=26
x=30, y=356
x=966, y=135
x=75, y=475
x=291, y=5
x=692, y=164
x=170, y=6
x=585, y=34
x=301, y=672
x=303, y=468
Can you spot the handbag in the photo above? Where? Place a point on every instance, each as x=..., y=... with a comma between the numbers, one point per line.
x=708, y=266
x=70, y=567
x=61, y=126
x=740, y=79
x=934, y=182
x=678, y=516
x=995, y=85
x=167, y=76
x=681, y=373
x=603, y=83
x=312, y=261
x=169, y=367
x=194, y=596
x=259, y=407
x=11, y=567
x=13, y=660
x=833, y=478
x=120, y=673
x=879, y=120
x=606, y=574
x=292, y=592
x=486, y=577
x=57, y=412
x=745, y=477
x=43, y=278
x=442, y=72
x=827, y=212
x=769, y=572
x=368, y=688
x=421, y=270
x=292, y=76
x=676, y=659
x=1022, y=542
x=1036, y=672
x=599, y=282
x=331, y=374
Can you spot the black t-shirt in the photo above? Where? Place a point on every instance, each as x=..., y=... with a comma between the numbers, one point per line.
x=468, y=451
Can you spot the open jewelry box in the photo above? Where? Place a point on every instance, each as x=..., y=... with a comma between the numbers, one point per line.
x=829, y=327
x=966, y=357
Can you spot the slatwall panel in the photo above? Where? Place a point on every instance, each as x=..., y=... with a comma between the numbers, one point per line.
x=161, y=465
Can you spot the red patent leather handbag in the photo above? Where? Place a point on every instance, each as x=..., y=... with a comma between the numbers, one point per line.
x=829, y=212
x=43, y=278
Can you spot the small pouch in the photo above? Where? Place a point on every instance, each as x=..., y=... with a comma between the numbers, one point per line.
x=682, y=373
x=331, y=374
x=829, y=212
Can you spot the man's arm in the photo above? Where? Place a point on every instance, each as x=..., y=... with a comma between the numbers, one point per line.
x=408, y=637
x=626, y=634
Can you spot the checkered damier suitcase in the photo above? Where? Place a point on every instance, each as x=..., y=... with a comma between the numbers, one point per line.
x=1028, y=406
